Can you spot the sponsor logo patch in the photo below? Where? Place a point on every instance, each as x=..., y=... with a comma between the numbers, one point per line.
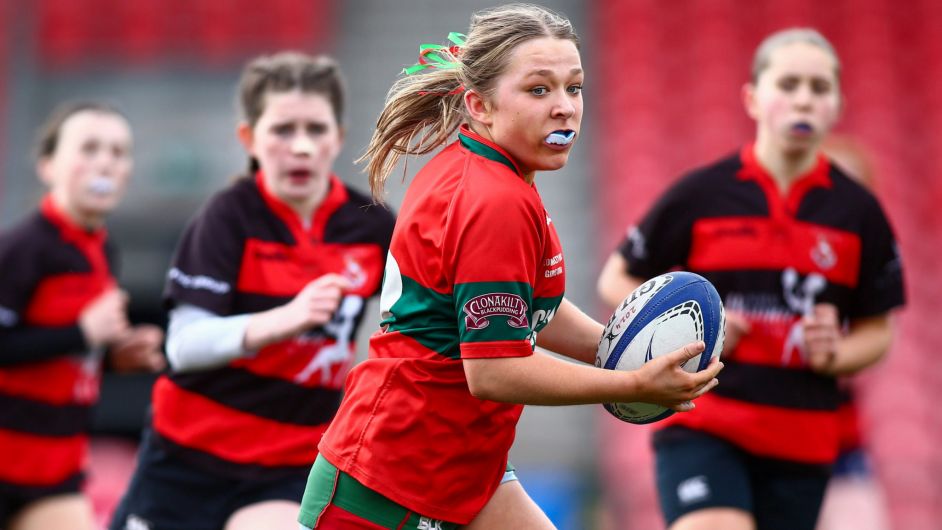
x=481, y=308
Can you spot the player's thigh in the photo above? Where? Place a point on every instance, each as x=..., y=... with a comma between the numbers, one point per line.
x=72, y=511
x=273, y=515
x=511, y=507
x=715, y=518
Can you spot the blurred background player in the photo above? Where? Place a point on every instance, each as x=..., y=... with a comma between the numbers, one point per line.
x=266, y=291
x=808, y=269
x=475, y=280
x=60, y=312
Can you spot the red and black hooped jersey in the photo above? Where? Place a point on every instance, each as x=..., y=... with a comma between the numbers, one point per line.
x=50, y=269
x=475, y=271
x=772, y=257
x=246, y=252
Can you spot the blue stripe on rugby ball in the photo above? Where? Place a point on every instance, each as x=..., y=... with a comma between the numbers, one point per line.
x=680, y=288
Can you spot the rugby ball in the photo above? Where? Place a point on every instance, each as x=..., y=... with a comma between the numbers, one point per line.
x=660, y=316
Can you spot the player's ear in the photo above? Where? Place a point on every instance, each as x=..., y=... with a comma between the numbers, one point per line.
x=245, y=136
x=478, y=107
x=748, y=95
x=44, y=170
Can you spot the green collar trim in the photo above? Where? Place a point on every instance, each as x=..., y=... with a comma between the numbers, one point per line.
x=481, y=147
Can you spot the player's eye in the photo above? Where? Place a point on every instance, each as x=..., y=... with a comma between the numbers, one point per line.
x=821, y=86
x=316, y=129
x=788, y=84
x=90, y=147
x=283, y=129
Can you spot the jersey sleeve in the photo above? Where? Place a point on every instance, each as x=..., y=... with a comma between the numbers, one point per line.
x=21, y=267
x=880, y=286
x=496, y=252
x=662, y=239
x=205, y=267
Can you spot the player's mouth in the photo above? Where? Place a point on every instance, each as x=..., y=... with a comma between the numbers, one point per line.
x=802, y=128
x=300, y=175
x=560, y=139
x=101, y=186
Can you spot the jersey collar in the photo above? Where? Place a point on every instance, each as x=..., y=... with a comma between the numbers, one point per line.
x=336, y=196
x=69, y=229
x=89, y=242
x=480, y=146
x=817, y=177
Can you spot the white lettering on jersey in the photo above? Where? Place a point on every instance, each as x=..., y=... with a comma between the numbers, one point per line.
x=338, y=353
x=429, y=524
x=541, y=318
x=8, y=317
x=87, y=384
x=198, y=282
x=639, y=247
x=800, y=297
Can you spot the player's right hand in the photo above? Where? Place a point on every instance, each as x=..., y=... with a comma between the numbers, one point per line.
x=104, y=319
x=316, y=303
x=667, y=384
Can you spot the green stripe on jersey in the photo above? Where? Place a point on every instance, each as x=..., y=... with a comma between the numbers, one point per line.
x=544, y=309
x=424, y=315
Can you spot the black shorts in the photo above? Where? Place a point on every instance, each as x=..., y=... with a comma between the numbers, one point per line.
x=696, y=470
x=167, y=493
x=14, y=498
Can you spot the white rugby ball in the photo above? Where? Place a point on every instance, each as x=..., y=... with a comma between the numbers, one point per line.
x=660, y=316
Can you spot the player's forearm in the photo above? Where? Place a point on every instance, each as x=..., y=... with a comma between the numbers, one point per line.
x=198, y=339
x=540, y=379
x=866, y=343
x=571, y=333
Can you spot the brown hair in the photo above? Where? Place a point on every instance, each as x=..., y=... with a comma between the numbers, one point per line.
x=423, y=110
x=784, y=37
x=47, y=140
x=284, y=72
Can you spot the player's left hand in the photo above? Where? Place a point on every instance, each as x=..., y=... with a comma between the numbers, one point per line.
x=139, y=350
x=822, y=332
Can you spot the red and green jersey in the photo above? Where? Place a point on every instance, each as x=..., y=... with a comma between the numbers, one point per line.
x=475, y=270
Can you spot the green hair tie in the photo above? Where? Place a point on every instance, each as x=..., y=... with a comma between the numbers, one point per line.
x=438, y=56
